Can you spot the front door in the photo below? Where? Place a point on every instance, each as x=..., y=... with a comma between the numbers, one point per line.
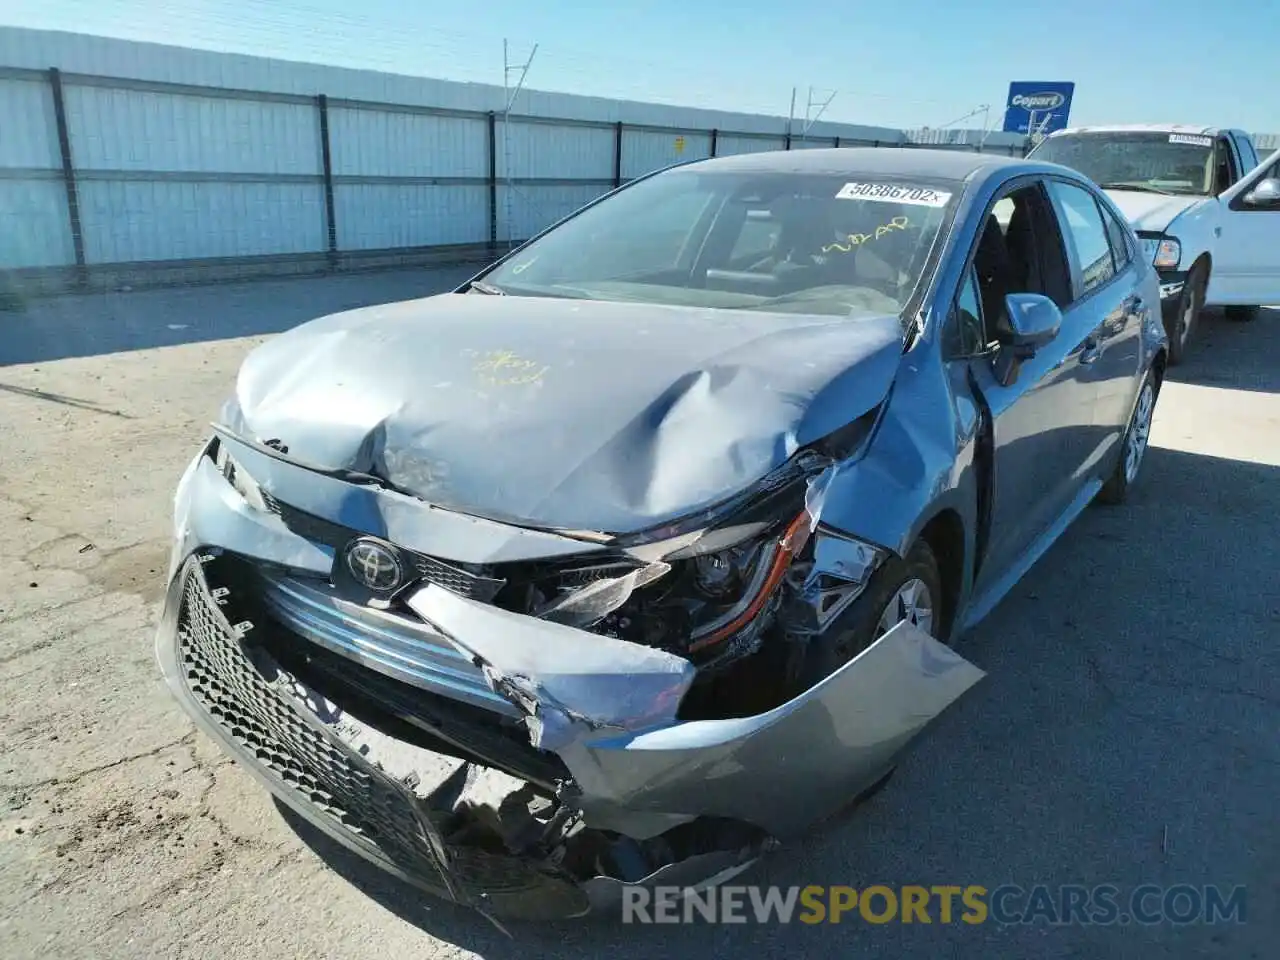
x=1246, y=262
x=1042, y=423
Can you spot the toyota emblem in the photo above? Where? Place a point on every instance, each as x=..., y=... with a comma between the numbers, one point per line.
x=374, y=565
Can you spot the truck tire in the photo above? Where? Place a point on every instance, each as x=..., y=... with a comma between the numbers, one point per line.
x=1182, y=322
x=1241, y=314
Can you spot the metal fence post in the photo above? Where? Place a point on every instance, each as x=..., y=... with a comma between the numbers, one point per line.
x=68, y=174
x=836, y=144
x=786, y=145
x=617, y=155
x=715, y=135
x=493, y=181
x=326, y=157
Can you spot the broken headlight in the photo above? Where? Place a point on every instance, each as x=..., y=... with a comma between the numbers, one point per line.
x=235, y=475
x=712, y=598
x=706, y=591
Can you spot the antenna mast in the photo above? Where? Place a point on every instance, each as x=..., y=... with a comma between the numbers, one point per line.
x=509, y=94
x=809, y=109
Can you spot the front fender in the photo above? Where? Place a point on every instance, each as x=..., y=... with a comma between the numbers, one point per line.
x=918, y=463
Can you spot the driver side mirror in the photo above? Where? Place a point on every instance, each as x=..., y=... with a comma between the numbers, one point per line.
x=1266, y=195
x=1034, y=321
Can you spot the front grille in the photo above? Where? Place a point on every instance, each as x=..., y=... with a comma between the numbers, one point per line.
x=266, y=725
x=308, y=525
x=460, y=582
x=386, y=640
x=473, y=586
x=251, y=699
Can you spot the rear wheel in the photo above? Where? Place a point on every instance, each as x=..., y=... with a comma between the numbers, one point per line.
x=1187, y=312
x=1133, y=448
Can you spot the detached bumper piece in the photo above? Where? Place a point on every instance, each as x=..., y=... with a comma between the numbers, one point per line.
x=455, y=827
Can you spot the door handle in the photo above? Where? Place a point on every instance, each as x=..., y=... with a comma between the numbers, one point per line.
x=1091, y=352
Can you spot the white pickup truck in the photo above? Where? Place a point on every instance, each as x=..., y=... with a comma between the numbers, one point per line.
x=1207, y=212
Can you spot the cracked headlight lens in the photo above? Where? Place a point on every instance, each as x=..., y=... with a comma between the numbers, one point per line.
x=235, y=475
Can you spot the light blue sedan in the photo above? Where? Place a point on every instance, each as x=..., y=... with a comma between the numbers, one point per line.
x=648, y=547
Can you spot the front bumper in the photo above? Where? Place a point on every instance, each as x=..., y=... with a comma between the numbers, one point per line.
x=408, y=755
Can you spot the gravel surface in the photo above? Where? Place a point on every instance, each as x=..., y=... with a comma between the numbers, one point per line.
x=1126, y=733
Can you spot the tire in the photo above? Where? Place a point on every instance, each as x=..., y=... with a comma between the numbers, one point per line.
x=862, y=624
x=1133, y=446
x=1241, y=314
x=1186, y=315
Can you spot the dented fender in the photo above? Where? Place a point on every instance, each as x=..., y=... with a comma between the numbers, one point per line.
x=787, y=768
x=609, y=709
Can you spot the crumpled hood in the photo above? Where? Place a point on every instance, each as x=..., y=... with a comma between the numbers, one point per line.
x=1150, y=211
x=569, y=414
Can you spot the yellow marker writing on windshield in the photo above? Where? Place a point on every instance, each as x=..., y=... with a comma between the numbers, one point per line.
x=857, y=239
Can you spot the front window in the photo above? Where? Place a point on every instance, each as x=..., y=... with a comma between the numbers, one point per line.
x=1174, y=163
x=836, y=245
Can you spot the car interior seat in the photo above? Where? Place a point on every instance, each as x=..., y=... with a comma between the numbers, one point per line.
x=1020, y=240
x=996, y=273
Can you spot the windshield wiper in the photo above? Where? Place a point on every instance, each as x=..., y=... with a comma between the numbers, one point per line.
x=479, y=286
x=1138, y=187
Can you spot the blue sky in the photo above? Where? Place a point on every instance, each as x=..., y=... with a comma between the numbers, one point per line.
x=905, y=63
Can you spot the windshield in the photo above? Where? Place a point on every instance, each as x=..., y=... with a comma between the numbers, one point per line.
x=1164, y=162
x=818, y=244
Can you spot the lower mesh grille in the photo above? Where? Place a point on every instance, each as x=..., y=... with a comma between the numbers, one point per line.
x=247, y=699
x=265, y=724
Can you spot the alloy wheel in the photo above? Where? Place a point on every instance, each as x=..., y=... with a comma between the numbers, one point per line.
x=1139, y=432
x=912, y=602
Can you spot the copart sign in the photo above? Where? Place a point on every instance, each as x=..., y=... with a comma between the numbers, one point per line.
x=1038, y=106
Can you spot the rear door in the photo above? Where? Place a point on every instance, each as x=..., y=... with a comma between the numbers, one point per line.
x=1246, y=263
x=1107, y=302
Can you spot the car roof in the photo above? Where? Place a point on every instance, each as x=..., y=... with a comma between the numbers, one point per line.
x=1192, y=128
x=865, y=161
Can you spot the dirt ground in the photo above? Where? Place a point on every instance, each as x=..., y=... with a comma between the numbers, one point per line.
x=1126, y=732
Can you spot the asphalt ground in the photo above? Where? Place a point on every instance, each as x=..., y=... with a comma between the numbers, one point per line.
x=1126, y=732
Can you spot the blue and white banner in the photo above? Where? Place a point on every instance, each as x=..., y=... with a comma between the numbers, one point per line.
x=1040, y=106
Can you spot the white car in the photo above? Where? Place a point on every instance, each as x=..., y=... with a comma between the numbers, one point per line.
x=1207, y=212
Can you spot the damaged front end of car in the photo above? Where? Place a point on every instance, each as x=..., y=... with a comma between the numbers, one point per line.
x=526, y=721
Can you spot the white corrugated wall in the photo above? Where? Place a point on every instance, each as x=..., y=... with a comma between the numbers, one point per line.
x=34, y=226
x=186, y=155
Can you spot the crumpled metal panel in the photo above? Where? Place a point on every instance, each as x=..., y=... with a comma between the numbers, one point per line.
x=570, y=683
x=565, y=414
x=608, y=708
x=208, y=511
x=785, y=769
x=401, y=519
